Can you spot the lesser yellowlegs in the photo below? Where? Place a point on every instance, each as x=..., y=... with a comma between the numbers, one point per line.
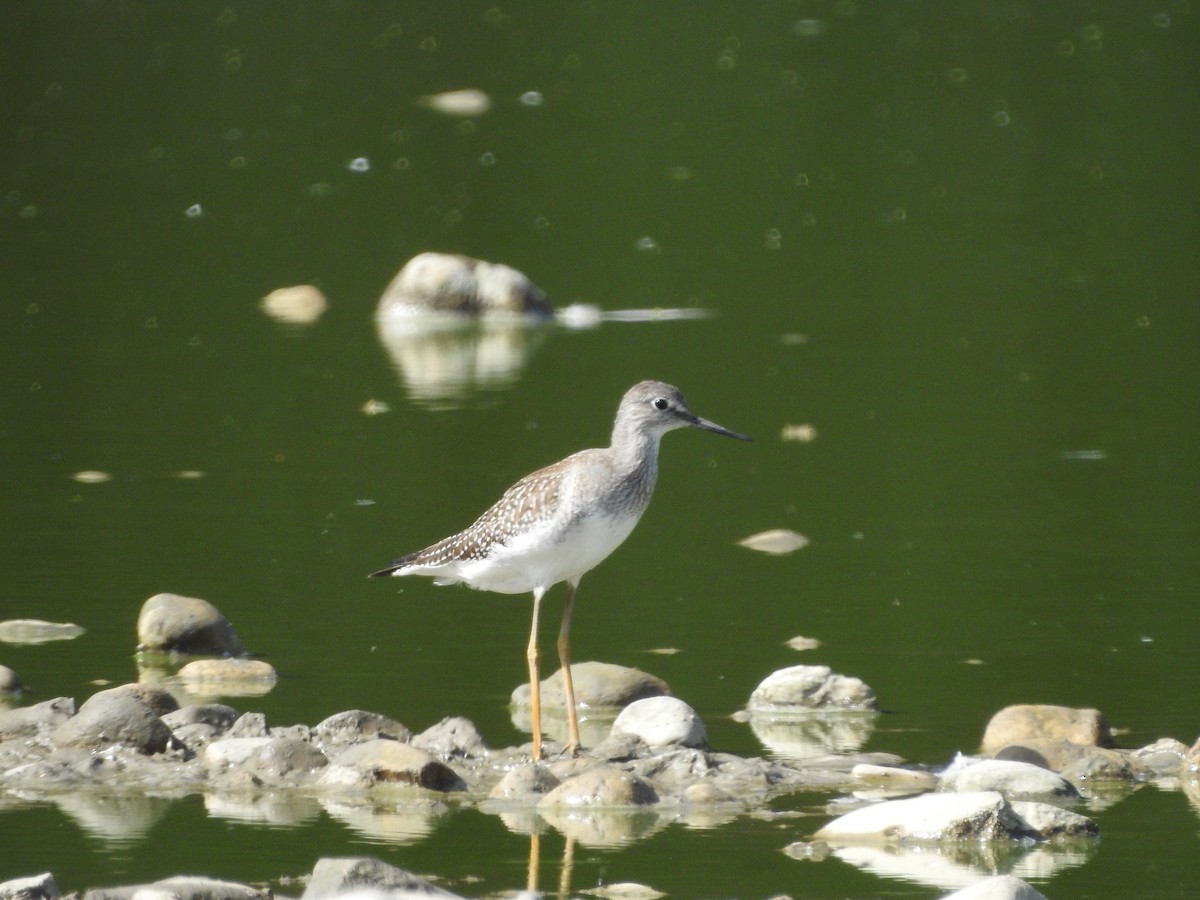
x=560, y=522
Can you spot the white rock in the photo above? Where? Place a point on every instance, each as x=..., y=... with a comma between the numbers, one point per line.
x=981, y=816
x=35, y=887
x=233, y=751
x=999, y=887
x=1009, y=777
x=802, y=688
x=661, y=722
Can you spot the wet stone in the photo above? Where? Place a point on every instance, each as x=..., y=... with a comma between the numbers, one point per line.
x=661, y=722
x=443, y=282
x=186, y=625
x=524, y=782
x=998, y=887
x=183, y=887
x=332, y=876
x=452, y=738
x=802, y=688
x=1008, y=777
x=597, y=686
x=1022, y=723
x=602, y=786
x=389, y=762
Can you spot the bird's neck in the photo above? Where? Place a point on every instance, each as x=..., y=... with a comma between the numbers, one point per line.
x=633, y=449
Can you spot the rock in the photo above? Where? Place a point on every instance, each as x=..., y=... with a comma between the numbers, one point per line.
x=186, y=625
x=1048, y=822
x=26, y=721
x=598, y=686
x=452, y=738
x=803, y=688
x=217, y=715
x=1008, y=777
x=894, y=779
x=662, y=721
x=998, y=887
x=300, y=304
x=114, y=717
x=36, y=631
x=1164, y=758
x=443, y=282
x=386, y=761
x=602, y=786
x=35, y=887
x=981, y=816
x=334, y=876
x=181, y=887
x=271, y=761
x=708, y=792
x=1099, y=765
x=355, y=725
x=224, y=672
x=251, y=724
x=525, y=781
x=1023, y=723
x=10, y=681
x=159, y=699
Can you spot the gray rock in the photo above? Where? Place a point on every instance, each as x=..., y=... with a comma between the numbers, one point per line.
x=159, y=699
x=452, y=738
x=1162, y=759
x=1048, y=822
x=10, y=681
x=251, y=724
x=274, y=761
x=661, y=722
x=114, y=717
x=598, y=686
x=524, y=782
x=35, y=887
x=1008, y=777
x=1099, y=765
x=998, y=887
x=1025, y=722
x=803, y=688
x=602, y=786
x=37, y=631
x=355, y=726
x=181, y=887
x=217, y=715
x=385, y=761
x=443, y=282
x=26, y=721
x=186, y=625
x=334, y=876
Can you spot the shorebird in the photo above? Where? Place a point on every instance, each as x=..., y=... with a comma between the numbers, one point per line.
x=559, y=523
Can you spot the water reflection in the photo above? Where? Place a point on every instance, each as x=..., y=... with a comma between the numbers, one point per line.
x=398, y=823
x=605, y=828
x=802, y=735
x=116, y=818
x=281, y=808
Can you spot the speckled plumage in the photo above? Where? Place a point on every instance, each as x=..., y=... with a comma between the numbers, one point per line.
x=561, y=521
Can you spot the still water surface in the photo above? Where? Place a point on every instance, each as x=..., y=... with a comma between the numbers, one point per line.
x=957, y=241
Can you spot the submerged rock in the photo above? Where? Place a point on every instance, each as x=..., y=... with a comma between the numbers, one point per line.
x=597, y=686
x=1022, y=723
x=37, y=631
x=447, y=283
x=186, y=625
x=806, y=688
x=332, y=876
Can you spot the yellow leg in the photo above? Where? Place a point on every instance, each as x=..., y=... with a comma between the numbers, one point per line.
x=535, y=688
x=564, y=657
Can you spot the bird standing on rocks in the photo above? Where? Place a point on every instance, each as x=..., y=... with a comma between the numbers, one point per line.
x=560, y=522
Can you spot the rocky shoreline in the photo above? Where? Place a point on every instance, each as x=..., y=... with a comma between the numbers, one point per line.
x=649, y=765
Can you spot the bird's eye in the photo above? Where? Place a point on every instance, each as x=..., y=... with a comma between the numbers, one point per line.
x=660, y=403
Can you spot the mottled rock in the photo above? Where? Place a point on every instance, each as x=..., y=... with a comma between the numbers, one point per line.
x=181, y=887
x=452, y=738
x=597, y=686
x=997, y=887
x=333, y=876
x=661, y=722
x=1099, y=765
x=1164, y=758
x=251, y=724
x=443, y=282
x=803, y=688
x=115, y=716
x=10, y=681
x=159, y=699
x=602, y=786
x=35, y=887
x=1048, y=822
x=216, y=715
x=386, y=761
x=1025, y=722
x=353, y=726
x=1010, y=778
x=26, y=721
x=186, y=625
x=525, y=781
x=982, y=816
x=269, y=761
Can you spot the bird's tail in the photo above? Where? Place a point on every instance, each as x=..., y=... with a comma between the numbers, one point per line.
x=402, y=563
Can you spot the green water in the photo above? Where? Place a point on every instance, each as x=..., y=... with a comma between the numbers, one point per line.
x=958, y=240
